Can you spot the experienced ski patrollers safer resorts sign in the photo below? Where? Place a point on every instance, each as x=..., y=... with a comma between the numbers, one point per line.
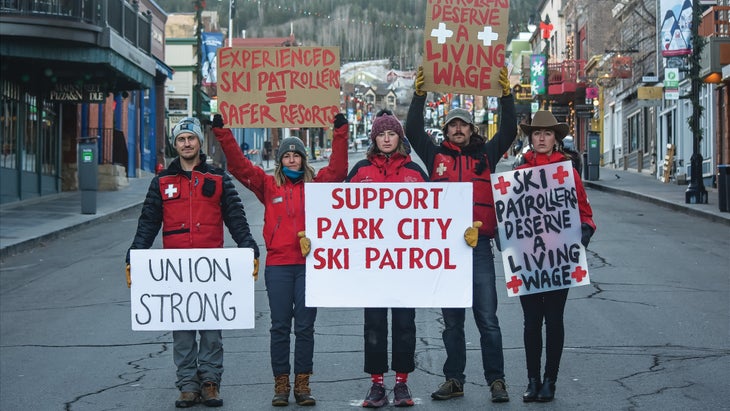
x=192, y=289
x=272, y=87
x=465, y=45
x=539, y=229
x=388, y=245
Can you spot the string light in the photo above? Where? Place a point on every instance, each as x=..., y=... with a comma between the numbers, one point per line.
x=307, y=13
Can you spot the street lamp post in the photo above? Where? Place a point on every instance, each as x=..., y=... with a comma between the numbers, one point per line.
x=696, y=192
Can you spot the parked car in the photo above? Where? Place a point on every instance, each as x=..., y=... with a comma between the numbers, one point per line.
x=520, y=157
x=436, y=135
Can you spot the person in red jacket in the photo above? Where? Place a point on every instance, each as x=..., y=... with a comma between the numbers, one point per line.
x=388, y=160
x=546, y=139
x=283, y=198
x=190, y=201
x=466, y=156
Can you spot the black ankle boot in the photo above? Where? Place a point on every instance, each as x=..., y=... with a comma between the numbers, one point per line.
x=547, y=391
x=533, y=387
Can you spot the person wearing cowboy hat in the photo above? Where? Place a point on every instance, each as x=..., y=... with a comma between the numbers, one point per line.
x=545, y=136
x=466, y=156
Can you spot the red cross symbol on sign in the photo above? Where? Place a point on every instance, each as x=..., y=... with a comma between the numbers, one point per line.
x=579, y=274
x=515, y=284
x=502, y=185
x=560, y=175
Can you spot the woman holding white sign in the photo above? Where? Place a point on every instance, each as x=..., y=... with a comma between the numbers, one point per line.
x=546, y=140
x=388, y=160
x=283, y=197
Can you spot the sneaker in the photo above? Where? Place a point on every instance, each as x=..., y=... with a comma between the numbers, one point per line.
x=187, y=399
x=499, y=391
x=402, y=395
x=376, y=397
x=449, y=389
x=209, y=394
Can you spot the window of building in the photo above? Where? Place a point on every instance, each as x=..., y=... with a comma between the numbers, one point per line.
x=177, y=104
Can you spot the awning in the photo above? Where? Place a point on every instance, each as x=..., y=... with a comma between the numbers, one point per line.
x=47, y=62
x=163, y=68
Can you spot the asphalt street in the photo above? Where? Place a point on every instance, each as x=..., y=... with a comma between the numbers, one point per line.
x=649, y=332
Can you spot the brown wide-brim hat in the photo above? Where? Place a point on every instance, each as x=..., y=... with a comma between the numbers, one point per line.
x=545, y=120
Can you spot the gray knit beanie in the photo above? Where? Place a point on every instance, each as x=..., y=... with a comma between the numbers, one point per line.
x=291, y=144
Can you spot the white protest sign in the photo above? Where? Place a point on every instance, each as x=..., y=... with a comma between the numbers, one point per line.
x=192, y=289
x=388, y=245
x=539, y=229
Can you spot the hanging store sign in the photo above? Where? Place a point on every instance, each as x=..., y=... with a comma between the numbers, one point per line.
x=75, y=93
x=671, y=84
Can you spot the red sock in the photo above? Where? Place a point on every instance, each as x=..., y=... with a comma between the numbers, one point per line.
x=401, y=377
x=377, y=378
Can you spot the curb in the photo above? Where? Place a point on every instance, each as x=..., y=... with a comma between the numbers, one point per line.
x=660, y=202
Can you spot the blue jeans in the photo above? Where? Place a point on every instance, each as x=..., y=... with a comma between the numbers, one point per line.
x=484, y=306
x=285, y=289
x=197, y=363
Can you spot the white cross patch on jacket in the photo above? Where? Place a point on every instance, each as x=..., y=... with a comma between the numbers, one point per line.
x=171, y=190
x=440, y=169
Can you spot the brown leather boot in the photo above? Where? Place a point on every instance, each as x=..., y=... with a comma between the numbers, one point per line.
x=302, y=392
x=281, y=391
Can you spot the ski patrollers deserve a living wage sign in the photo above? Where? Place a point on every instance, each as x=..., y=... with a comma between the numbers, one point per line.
x=388, y=245
x=539, y=229
x=192, y=289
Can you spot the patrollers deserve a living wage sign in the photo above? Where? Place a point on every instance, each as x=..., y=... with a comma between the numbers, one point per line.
x=464, y=46
x=539, y=229
x=388, y=245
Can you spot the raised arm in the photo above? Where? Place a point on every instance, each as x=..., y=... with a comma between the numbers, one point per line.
x=415, y=127
x=336, y=169
x=250, y=175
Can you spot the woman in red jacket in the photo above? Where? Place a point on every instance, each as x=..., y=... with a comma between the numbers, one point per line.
x=388, y=160
x=546, y=139
x=283, y=198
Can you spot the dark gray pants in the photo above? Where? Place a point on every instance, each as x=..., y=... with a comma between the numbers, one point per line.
x=197, y=363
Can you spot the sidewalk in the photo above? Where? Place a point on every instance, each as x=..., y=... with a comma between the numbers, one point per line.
x=648, y=188
x=27, y=224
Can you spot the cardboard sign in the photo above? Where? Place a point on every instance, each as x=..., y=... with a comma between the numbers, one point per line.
x=539, y=229
x=192, y=289
x=388, y=245
x=272, y=87
x=465, y=46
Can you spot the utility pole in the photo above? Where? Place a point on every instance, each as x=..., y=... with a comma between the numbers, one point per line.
x=197, y=88
x=696, y=192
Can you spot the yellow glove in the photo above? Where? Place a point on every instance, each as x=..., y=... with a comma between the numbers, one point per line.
x=471, y=235
x=255, y=269
x=420, y=80
x=504, y=82
x=129, y=277
x=304, y=243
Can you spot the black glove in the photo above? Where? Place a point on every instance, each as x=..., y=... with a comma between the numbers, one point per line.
x=340, y=120
x=586, y=232
x=217, y=121
x=384, y=112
